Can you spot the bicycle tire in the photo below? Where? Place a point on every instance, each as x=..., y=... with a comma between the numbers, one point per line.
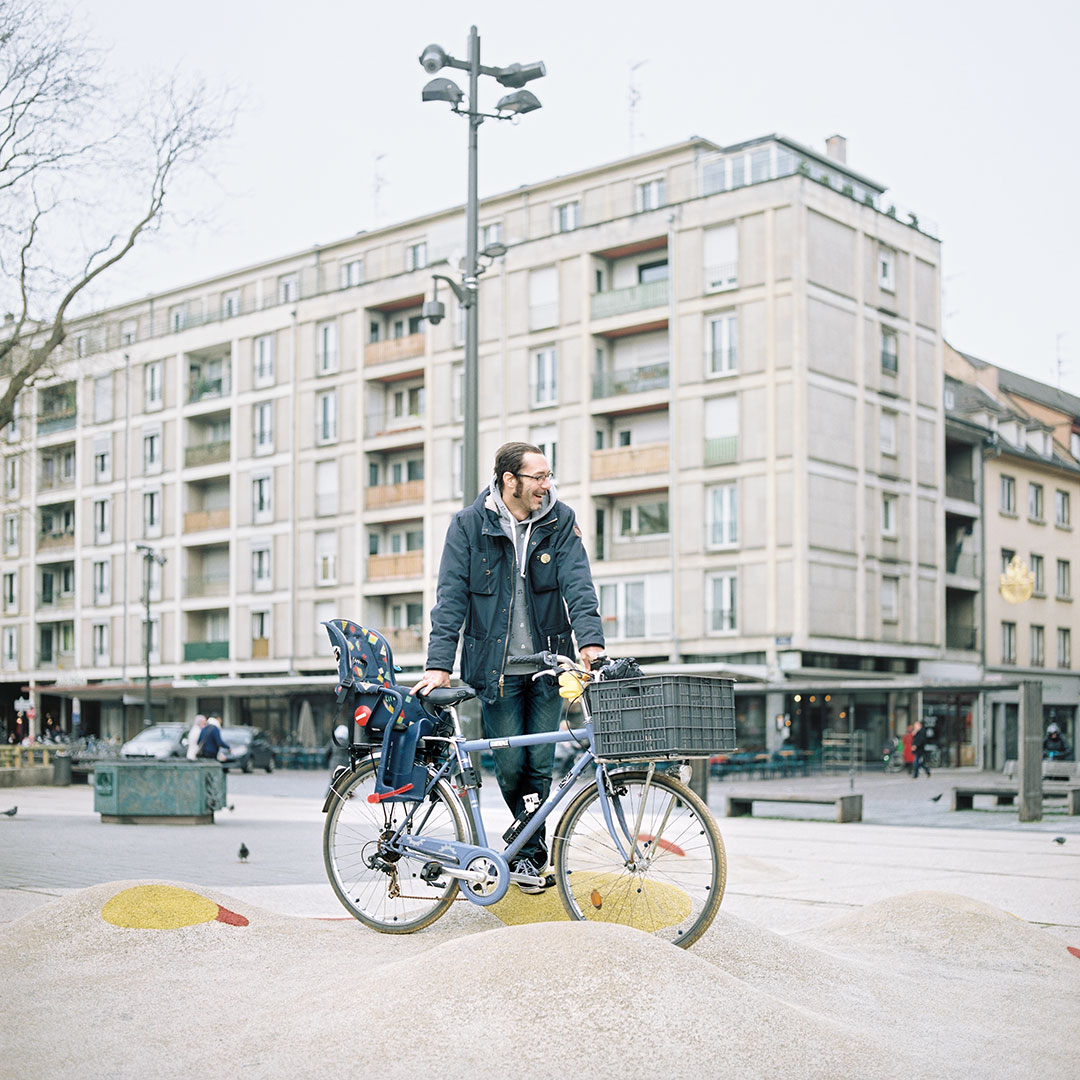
x=350, y=836
x=673, y=895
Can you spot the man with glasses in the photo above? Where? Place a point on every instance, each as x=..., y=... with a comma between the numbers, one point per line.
x=515, y=579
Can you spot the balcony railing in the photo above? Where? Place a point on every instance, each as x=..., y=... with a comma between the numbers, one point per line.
x=631, y=380
x=62, y=419
x=205, y=650
x=408, y=564
x=623, y=461
x=959, y=487
x=383, y=422
x=49, y=541
x=412, y=491
x=210, y=453
x=55, y=483
x=201, y=520
x=961, y=637
x=965, y=564
x=210, y=584
x=632, y=298
x=402, y=348
x=57, y=601
x=199, y=388
x=722, y=450
x=722, y=276
x=404, y=640
x=260, y=648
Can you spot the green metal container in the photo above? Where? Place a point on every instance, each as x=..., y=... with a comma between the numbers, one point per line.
x=171, y=792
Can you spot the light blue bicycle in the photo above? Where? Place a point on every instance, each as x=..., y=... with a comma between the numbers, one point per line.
x=634, y=846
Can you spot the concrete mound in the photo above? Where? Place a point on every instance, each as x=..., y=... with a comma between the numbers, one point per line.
x=153, y=974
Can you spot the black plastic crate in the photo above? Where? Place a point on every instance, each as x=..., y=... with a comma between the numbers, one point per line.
x=662, y=716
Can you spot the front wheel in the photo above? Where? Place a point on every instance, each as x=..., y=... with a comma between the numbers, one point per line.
x=382, y=889
x=673, y=879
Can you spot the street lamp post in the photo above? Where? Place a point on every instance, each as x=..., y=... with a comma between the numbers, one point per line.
x=150, y=556
x=516, y=103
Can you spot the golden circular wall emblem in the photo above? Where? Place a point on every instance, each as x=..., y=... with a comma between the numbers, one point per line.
x=1017, y=583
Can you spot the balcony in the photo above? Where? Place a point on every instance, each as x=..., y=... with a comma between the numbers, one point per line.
x=632, y=298
x=384, y=422
x=959, y=487
x=631, y=381
x=402, y=348
x=959, y=636
x=623, y=461
x=205, y=650
x=52, y=541
x=60, y=419
x=722, y=450
x=260, y=648
x=378, y=498
x=210, y=453
x=405, y=639
x=201, y=520
x=212, y=583
x=407, y=565
x=962, y=563
x=202, y=388
x=55, y=482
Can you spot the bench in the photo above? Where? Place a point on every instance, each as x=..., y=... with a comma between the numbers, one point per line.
x=848, y=807
x=963, y=798
x=1051, y=770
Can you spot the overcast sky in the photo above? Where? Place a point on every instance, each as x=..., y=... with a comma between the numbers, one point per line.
x=966, y=111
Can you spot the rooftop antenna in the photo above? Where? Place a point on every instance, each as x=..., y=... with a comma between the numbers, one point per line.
x=378, y=182
x=633, y=98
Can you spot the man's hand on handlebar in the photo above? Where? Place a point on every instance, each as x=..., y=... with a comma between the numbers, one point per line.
x=432, y=679
x=590, y=654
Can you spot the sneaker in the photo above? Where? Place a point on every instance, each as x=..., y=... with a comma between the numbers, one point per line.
x=527, y=868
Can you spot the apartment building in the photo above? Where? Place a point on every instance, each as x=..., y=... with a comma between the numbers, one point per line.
x=731, y=355
x=1011, y=572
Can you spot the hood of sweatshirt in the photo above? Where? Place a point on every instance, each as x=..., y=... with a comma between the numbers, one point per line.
x=518, y=531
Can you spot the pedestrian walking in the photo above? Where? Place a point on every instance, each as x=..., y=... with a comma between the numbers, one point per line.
x=918, y=744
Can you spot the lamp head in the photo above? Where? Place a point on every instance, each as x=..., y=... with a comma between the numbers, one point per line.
x=518, y=103
x=443, y=90
x=433, y=59
x=494, y=251
x=517, y=75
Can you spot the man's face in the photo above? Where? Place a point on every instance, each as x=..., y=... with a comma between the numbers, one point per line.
x=521, y=492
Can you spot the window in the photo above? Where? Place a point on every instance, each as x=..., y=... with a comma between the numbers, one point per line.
x=326, y=417
x=151, y=451
x=100, y=635
x=230, y=304
x=1064, y=579
x=1074, y=444
x=547, y=438
x=262, y=509
x=887, y=433
x=649, y=195
x=1008, y=643
x=260, y=626
x=721, y=430
x=457, y=468
x=11, y=647
x=263, y=427
x=326, y=358
x=11, y=476
x=11, y=593
x=151, y=640
x=407, y=403
x=152, y=513
x=1064, y=647
x=1038, y=646
x=416, y=255
x=564, y=218
x=82, y=344
x=722, y=344
x=622, y=609
x=646, y=520
x=652, y=271
x=1062, y=515
x=11, y=534
x=1007, y=556
x=352, y=273
x=326, y=488
x=288, y=288
x=326, y=558
x=1038, y=575
x=890, y=599
x=1008, y=495
x=103, y=399
x=457, y=392
x=152, y=386
x=888, y=515
x=723, y=511
x=102, y=583
x=543, y=377
x=890, y=350
x=723, y=594
x=1035, y=502
x=102, y=521
x=261, y=578
x=887, y=269
x=543, y=297
x=176, y=318
x=721, y=258
x=264, y=360
x=491, y=234
x=103, y=460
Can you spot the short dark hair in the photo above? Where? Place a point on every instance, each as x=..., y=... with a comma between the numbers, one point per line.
x=509, y=456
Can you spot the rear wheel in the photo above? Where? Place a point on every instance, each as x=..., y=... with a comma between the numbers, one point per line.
x=386, y=891
x=673, y=881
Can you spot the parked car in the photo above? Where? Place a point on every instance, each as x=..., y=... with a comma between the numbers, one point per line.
x=249, y=748
x=157, y=741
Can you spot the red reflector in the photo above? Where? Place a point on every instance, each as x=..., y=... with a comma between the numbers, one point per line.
x=362, y=715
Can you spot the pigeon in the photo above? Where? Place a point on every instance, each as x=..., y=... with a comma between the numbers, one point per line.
x=243, y=852
x=12, y=812
x=232, y=807
x=934, y=798
x=1059, y=839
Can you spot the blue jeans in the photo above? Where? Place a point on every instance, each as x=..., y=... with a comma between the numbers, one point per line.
x=525, y=708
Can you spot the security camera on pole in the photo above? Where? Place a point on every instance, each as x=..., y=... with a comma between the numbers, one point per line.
x=434, y=58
